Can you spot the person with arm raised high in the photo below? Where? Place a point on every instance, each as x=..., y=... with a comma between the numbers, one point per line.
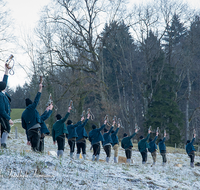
x=153, y=147
x=81, y=139
x=31, y=121
x=44, y=130
x=95, y=137
x=143, y=146
x=162, y=149
x=5, y=119
x=191, y=150
x=59, y=132
x=107, y=143
x=72, y=136
x=127, y=145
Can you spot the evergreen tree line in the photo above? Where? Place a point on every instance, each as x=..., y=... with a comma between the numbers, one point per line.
x=141, y=66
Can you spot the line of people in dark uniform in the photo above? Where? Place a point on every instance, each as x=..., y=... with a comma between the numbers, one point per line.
x=36, y=130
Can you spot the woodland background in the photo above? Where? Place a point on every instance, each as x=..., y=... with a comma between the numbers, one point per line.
x=139, y=62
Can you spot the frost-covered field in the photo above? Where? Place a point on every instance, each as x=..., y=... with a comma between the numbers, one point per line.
x=23, y=169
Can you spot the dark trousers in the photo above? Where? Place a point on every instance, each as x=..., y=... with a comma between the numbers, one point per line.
x=81, y=146
x=163, y=154
x=144, y=156
x=41, y=144
x=107, y=149
x=71, y=145
x=34, y=137
x=128, y=152
x=96, y=149
x=61, y=142
x=191, y=155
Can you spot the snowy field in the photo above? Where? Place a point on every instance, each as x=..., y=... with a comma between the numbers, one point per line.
x=23, y=169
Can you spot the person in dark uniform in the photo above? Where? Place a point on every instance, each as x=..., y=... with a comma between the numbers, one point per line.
x=44, y=130
x=107, y=143
x=191, y=150
x=81, y=139
x=59, y=132
x=31, y=121
x=95, y=137
x=5, y=119
x=143, y=147
x=153, y=147
x=127, y=145
x=162, y=149
x=72, y=135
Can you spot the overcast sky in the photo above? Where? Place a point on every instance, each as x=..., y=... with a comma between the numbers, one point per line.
x=26, y=14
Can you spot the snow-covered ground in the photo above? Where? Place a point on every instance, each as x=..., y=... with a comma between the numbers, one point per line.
x=21, y=168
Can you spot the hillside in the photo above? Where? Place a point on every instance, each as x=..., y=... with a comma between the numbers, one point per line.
x=24, y=169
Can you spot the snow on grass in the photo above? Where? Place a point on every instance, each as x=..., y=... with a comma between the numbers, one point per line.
x=21, y=168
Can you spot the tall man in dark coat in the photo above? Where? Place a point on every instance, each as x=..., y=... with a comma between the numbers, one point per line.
x=127, y=145
x=81, y=139
x=95, y=137
x=143, y=147
x=5, y=110
x=31, y=121
x=190, y=150
x=59, y=132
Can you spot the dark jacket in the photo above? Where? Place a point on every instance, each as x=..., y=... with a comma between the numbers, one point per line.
x=59, y=127
x=189, y=147
x=5, y=103
x=81, y=132
x=30, y=115
x=143, y=145
x=107, y=137
x=44, y=117
x=95, y=135
x=72, y=130
x=126, y=141
x=153, y=145
x=114, y=137
x=162, y=146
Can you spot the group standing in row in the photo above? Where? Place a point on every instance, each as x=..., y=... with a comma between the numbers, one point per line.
x=36, y=130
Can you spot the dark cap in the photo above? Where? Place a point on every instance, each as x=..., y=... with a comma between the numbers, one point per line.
x=94, y=126
x=105, y=130
x=58, y=116
x=125, y=135
x=2, y=85
x=141, y=137
x=69, y=122
x=28, y=101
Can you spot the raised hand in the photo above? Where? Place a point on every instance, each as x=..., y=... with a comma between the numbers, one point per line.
x=50, y=106
x=69, y=109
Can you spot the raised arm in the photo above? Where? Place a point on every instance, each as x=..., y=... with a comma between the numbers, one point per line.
x=84, y=123
x=155, y=139
x=67, y=115
x=110, y=130
x=116, y=131
x=132, y=135
x=101, y=128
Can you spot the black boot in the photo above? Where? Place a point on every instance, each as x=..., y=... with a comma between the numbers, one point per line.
x=3, y=145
